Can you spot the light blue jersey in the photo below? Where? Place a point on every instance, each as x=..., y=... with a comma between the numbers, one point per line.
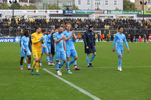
x=118, y=39
x=45, y=50
x=45, y=39
x=49, y=39
x=70, y=42
x=24, y=45
x=24, y=42
x=59, y=45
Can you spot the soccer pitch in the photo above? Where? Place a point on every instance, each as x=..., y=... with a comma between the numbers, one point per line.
x=103, y=81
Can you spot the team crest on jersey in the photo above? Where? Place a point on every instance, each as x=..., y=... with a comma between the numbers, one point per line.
x=92, y=33
x=34, y=55
x=54, y=36
x=32, y=37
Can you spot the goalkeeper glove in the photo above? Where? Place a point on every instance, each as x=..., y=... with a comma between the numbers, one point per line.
x=42, y=39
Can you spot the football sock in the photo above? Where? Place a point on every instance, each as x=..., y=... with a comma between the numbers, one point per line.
x=75, y=63
x=24, y=57
x=29, y=65
x=33, y=65
x=67, y=65
x=48, y=59
x=52, y=59
x=57, y=66
x=87, y=59
x=37, y=67
x=21, y=66
x=92, y=57
x=40, y=60
x=72, y=61
x=119, y=62
x=61, y=64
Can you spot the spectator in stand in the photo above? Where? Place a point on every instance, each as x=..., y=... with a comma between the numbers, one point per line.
x=137, y=38
x=147, y=35
x=132, y=37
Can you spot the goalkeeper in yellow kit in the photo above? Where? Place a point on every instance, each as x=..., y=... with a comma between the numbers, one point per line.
x=37, y=41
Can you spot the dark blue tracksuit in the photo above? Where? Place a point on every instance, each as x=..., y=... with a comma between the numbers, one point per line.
x=52, y=45
x=89, y=40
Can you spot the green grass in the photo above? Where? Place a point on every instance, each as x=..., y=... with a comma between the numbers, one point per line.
x=103, y=81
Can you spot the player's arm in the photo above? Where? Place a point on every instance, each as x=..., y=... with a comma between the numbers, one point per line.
x=85, y=39
x=74, y=36
x=57, y=41
x=126, y=43
x=22, y=44
x=66, y=39
x=115, y=39
x=94, y=40
x=64, y=45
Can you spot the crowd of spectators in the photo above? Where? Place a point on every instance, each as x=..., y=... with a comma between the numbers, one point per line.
x=130, y=26
x=76, y=23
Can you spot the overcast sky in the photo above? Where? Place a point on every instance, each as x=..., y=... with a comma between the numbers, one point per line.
x=132, y=0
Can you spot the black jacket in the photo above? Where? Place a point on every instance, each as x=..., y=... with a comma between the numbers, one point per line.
x=89, y=38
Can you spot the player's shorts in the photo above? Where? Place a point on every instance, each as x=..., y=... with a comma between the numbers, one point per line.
x=37, y=54
x=119, y=52
x=44, y=50
x=60, y=54
x=71, y=53
x=49, y=47
x=90, y=50
x=23, y=52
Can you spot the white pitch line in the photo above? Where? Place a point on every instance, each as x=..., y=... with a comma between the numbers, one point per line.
x=72, y=85
x=111, y=67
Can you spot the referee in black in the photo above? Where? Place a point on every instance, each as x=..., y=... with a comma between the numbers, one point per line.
x=90, y=47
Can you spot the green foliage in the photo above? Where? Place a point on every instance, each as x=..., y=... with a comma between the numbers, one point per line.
x=75, y=7
x=97, y=9
x=24, y=7
x=54, y=6
x=32, y=6
x=16, y=6
x=127, y=5
x=117, y=8
x=4, y=6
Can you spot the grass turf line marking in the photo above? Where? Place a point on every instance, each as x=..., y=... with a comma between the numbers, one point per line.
x=111, y=67
x=72, y=85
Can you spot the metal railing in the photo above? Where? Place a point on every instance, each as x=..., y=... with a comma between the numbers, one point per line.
x=19, y=31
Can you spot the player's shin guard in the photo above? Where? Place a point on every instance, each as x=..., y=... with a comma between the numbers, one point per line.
x=67, y=65
x=37, y=67
x=33, y=65
x=61, y=64
x=48, y=59
x=57, y=66
x=119, y=62
x=92, y=57
x=72, y=61
x=87, y=59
